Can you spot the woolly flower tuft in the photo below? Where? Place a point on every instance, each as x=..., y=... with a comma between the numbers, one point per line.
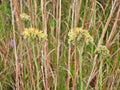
x=77, y=35
x=73, y=35
x=41, y=35
x=102, y=50
x=24, y=16
x=89, y=39
x=34, y=33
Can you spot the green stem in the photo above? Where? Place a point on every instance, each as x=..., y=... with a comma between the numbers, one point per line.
x=25, y=74
x=36, y=65
x=80, y=60
x=101, y=74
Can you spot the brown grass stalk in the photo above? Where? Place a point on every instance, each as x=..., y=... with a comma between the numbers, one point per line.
x=20, y=29
x=45, y=46
x=85, y=11
x=114, y=30
x=75, y=20
x=69, y=50
x=35, y=12
x=30, y=68
x=15, y=51
x=58, y=29
x=99, y=43
x=78, y=4
x=92, y=15
x=31, y=12
x=69, y=58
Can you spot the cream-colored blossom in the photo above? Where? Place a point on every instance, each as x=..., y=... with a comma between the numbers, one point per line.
x=79, y=35
x=41, y=35
x=101, y=49
x=34, y=33
x=26, y=33
x=24, y=16
x=88, y=39
x=72, y=36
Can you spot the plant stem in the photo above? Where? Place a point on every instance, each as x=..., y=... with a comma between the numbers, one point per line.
x=36, y=65
x=80, y=60
x=101, y=74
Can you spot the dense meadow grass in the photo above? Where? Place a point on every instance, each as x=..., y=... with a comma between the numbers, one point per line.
x=59, y=44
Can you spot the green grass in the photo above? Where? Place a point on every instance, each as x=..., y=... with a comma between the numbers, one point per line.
x=37, y=63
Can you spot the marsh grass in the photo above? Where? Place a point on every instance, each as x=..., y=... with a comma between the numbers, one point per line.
x=55, y=63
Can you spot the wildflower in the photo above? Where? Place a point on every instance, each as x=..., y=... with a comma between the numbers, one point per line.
x=41, y=35
x=24, y=16
x=26, y=33
x=11, y=43
x=72, y=35
x=78, y=35
x=34, y=33
x=102, y=50
x=88, y=39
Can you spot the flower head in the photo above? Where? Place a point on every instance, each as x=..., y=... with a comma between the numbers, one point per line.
x=77, y=35
x=41, y=35
x=11, y=43
x=72, y=35
x=88, y=39
x=24, y=16
x=102, y=50
x=26, y=33
x=34, y=33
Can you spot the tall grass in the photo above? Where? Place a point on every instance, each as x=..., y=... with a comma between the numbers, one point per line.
x=55, y=63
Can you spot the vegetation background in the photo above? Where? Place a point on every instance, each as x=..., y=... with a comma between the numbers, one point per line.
x=55, y=64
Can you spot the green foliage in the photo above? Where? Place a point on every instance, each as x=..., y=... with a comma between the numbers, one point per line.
x=82, y=38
